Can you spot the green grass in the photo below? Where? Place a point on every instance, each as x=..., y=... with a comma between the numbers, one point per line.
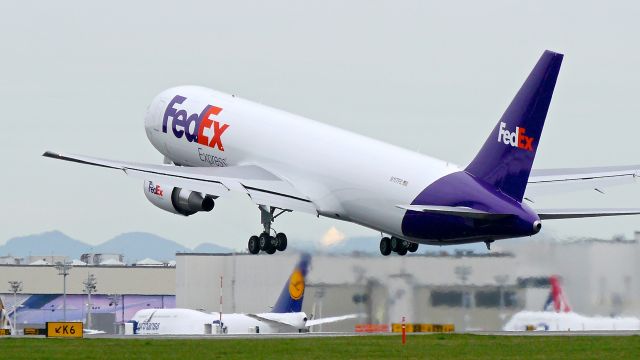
x=437, y=346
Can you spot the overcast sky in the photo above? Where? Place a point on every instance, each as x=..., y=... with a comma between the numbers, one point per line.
x=430, y=76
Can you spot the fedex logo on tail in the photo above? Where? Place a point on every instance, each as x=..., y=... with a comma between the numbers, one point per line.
x=200, y=128
x=516, y=139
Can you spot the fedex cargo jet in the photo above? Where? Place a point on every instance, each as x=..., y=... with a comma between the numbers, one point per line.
x=286, y=316
x=215, y=143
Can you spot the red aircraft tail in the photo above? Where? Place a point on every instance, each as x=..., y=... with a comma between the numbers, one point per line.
x=557, y=297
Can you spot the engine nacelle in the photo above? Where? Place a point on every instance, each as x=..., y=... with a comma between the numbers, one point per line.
x=177, y=200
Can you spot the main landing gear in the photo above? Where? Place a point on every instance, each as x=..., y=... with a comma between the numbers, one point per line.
x=265, y=241
x=399, y=246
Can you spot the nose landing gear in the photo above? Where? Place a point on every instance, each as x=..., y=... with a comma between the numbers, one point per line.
x=397, y=245
x=265, y=241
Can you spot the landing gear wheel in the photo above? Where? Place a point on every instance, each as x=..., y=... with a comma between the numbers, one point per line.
x=264, y=241
x=271, y=249
x=413, y=247
x=395, y=244
x=402, y=251
x=385, y=246
x=271, y=244
x=254, y=245
x=281, y=239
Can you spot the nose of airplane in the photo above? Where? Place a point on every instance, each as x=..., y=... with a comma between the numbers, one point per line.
x=152, y=114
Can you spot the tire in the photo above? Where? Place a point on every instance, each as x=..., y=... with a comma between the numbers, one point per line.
x=272, y=246
x=413, y=247
x=282, y=241
x=385, y=246
x=402, y=251
x=254, y=245
x=264, y=241
x=395, y=244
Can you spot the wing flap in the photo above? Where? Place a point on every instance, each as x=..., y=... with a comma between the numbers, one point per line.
x=461, y=211
x=279, y=199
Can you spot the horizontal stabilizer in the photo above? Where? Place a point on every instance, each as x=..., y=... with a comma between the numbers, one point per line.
x=550, y=214
x=332, y=319
x=461, y=211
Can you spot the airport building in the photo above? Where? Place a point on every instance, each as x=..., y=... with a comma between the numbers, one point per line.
x=470, y=290
x=118, y=293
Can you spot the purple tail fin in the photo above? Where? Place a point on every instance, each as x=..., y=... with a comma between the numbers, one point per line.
x=506, y=158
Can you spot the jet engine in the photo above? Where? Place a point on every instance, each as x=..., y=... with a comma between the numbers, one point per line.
x=177, y=200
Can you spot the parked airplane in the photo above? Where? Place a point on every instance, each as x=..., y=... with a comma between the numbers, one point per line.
x=214, y=143
x=557, y=316
x=286, y=315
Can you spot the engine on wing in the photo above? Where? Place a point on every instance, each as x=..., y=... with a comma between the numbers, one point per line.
x=177, y=200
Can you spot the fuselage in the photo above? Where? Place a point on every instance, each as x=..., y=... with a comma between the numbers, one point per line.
x=347, y=176
x=568, y=321
x=187, y=321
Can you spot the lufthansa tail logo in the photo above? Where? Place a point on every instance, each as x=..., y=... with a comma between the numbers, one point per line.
x=296, y=285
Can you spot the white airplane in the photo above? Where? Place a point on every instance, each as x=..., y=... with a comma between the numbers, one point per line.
x=215, y=143
x=562, y=318
x=286, y=316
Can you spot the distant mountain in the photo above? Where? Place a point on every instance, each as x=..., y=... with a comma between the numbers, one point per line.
x=139, y=245
x=48, y=243
x=134, y=246
x=211, y=248
x=361, y=244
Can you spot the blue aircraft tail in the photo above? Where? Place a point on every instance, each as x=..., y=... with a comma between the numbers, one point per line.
x=507, y=156
x=290, y=299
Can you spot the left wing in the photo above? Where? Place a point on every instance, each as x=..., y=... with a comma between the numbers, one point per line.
x=262, y=186
x=553, y=181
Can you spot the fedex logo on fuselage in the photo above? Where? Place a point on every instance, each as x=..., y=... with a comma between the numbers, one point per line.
x=516, y=139
x=200, y=128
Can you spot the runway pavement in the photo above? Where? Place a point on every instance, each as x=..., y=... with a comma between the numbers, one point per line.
x=346, y=334
x=343, y=334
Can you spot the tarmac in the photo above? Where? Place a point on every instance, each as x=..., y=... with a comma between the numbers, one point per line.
x=345, y=334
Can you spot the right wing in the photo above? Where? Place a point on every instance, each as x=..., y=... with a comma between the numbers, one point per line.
x=552, y=181
x=551, y=214
x=262, y=186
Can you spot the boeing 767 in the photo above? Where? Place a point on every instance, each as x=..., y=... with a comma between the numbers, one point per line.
x=214, y=143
